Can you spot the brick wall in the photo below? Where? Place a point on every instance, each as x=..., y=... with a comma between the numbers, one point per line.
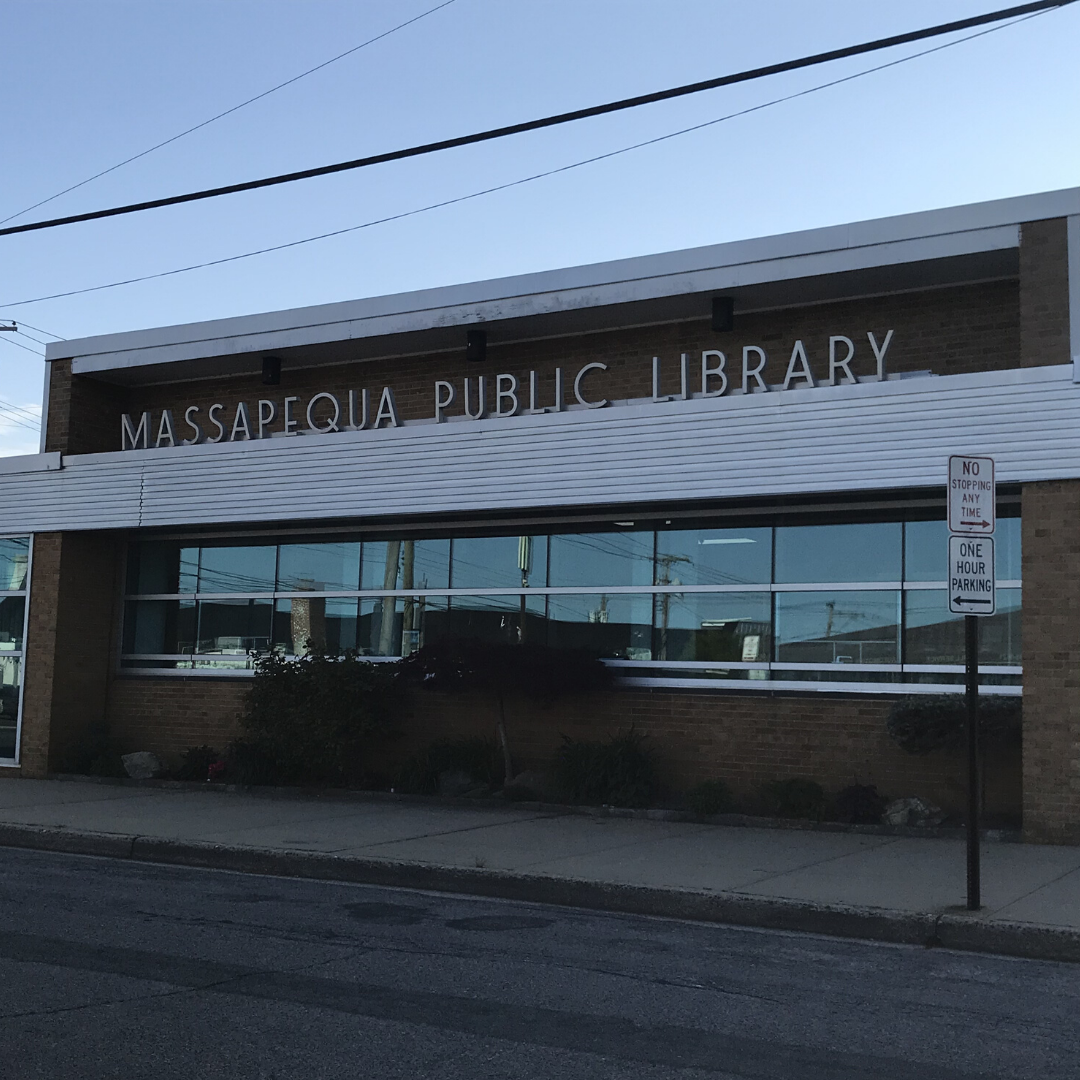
x=1051, y=545
x=84, y=414
x=1044, y=293
x=746, y=740
x=39, y=671
x=948, y=331
x=1051, y=548
x=74, y=593
x=172, y=714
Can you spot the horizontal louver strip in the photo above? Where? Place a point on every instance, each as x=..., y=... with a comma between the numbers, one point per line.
x=873, y=436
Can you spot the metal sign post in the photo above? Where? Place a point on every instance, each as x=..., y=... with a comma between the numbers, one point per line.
x=972, y=593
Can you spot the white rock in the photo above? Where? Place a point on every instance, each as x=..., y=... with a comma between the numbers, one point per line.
x=142, y=765
x=912, y=811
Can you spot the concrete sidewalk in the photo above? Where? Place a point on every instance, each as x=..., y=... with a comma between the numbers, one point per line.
x=883, y=887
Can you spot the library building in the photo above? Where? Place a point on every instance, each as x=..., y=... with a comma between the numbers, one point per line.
x=723, y=469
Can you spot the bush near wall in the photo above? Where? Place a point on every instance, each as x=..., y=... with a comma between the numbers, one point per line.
x=316, y=719
x=922, y=724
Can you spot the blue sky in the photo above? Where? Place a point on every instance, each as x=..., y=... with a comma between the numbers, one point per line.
x=85, y=84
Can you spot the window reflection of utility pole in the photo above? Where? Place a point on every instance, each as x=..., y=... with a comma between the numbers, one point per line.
x=388, y=603
x=664, y=564
x=410, y=621
x=525, y=566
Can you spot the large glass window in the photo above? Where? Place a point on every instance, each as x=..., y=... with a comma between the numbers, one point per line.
x=163, y=567
x=318, y=567
x=933, y=635
x=855, y=603
x=926, y=546
x=714, y=557
x=713, y=626
x=237, y=569
x=597, y=560
x=319, y=622
x=164, y=628
x=835, y=553
x=838, y=627
x=616, y=626
x=405, y=564
x=14, y=581
x=234, y=627
x=499, y=562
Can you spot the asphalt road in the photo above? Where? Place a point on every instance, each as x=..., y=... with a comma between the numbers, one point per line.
x=114, y=969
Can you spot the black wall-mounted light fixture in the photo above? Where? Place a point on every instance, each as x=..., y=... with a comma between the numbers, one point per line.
x=271, y=370
x=723, y=314
x=476, y=345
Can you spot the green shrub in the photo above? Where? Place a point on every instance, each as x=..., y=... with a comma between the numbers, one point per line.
x=859, y=804
x=710, y=797
x=313, y=718
x=620, y=772
x=95, y=755
x=920, y=724
x=481, y=759
x=795, y=797
x=196, y=763
x=248, y=763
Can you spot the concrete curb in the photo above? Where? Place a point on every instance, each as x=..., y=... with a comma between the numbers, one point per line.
x=970, y=933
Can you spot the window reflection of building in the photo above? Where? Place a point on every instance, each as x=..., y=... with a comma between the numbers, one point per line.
x=746, y=602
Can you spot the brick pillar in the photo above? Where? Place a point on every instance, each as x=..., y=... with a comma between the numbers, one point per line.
x=69, y=645
x=1051, y=548
x=1044, y=293
x=40, y=666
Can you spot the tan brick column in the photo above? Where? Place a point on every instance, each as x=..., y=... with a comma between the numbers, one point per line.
x=74, y=594
x=1051, y=546
x=40, y=666
x=1051, y=554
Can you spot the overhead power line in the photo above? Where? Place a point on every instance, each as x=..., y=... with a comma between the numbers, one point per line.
x=47, y=333
x=20, y=411
x=515, y=183
x=228, y=112
x=552, y=121
x=30, y=337
x=20, y=345
x=13, y=419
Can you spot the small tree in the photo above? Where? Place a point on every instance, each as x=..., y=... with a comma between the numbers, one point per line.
x=537, y=672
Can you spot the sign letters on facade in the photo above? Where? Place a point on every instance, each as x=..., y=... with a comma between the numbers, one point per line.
x=713, y=375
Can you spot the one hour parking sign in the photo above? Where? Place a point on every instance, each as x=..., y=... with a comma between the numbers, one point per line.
x=971, y=575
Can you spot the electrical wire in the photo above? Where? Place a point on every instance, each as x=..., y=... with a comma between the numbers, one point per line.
x=518, y=182
x=47, y=333
x=20, y=345
x=18, y=409
x=30, y=337
x=227, y=112
x=550, y=121
x=14, y=418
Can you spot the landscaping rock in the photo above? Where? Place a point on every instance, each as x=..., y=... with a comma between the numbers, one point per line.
x=526, y=786
x=455, y=782
x=912, y=811
x=142, y=765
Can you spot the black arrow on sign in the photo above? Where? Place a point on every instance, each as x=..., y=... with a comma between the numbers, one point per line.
x=965, y=600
